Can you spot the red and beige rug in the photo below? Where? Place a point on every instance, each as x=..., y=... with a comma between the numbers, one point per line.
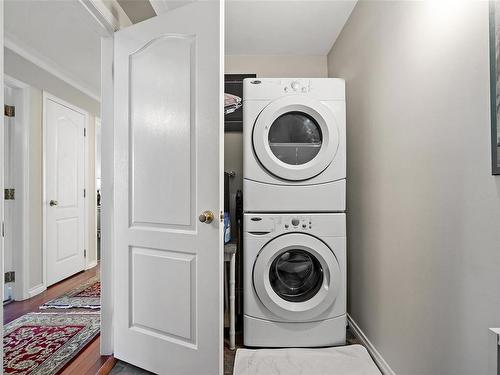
x=87, y=296
x=42, y=343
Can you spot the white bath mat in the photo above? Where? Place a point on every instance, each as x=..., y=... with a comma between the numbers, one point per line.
x=344, y=360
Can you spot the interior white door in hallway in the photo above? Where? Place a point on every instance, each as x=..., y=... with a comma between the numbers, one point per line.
x=168, y=255
x=64, y=175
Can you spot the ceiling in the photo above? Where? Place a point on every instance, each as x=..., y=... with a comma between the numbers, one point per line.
x=136, y=10
x=60, y=36
x=307, y=27
x=64, y=38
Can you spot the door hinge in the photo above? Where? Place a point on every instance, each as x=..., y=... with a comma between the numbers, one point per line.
x=9, y=194
x=10, y=277
x=9, y=110
x=85, y=253
x=3, y=229
x=222, y=216
x=84, y=193
x=84, y=132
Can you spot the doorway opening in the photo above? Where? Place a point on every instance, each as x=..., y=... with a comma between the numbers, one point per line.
x=52, y=103
x=63, y=74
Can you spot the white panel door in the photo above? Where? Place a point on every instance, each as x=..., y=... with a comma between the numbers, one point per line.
x=64, y=188
x=168, y=167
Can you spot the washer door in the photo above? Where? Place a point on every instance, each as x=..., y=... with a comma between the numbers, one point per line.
x=296, y=276
x=296, y=138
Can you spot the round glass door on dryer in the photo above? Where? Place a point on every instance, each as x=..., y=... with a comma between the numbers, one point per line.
x=297, y=277
x=296, y=138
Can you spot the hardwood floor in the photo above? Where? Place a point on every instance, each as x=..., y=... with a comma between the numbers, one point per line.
x=16, y=309
x=89, y=361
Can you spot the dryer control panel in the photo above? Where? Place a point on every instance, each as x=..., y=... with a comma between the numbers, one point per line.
x=296, y=86
x=273, y=88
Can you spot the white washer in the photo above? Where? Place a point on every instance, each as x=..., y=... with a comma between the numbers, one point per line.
x=294, y=145
x=294, y=280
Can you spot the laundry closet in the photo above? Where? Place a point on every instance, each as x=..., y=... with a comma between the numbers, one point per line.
x=281, y=180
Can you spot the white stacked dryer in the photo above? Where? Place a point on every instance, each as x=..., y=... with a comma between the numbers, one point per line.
x=294, y=145
x=294, y=171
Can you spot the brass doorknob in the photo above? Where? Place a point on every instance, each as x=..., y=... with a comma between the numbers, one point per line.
x=53, y=203
x=206, y=217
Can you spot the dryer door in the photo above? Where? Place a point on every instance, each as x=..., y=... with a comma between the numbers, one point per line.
x=296, y=137
x=297, y=276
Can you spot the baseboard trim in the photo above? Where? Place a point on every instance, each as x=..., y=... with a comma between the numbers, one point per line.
x=36, y=290
x=91, y=265
x=107, y=367
x=377, y=357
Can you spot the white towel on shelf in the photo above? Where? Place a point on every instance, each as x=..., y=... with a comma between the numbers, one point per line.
x=231, y=103
x=344, y=360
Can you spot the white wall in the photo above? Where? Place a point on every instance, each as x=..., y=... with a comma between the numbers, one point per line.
x=423, y=208
x=20, y=68
x=23, y=70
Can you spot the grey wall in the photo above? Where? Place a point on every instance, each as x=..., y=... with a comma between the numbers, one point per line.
x=423, y=208
x=278, y=65
x=39, y=80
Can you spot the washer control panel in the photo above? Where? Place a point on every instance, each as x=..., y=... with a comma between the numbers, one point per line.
x=298, y=223
x=330, y=225
x=284, y=223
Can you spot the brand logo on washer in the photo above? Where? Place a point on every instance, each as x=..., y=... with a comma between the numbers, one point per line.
x=257, y=82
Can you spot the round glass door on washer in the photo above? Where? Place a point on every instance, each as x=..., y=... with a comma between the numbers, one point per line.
x=296, y=276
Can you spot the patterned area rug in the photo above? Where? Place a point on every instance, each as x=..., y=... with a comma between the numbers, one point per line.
x=87, y=296
x=42, y=343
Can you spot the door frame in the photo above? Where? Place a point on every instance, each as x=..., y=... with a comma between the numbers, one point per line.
x=107, y=188
x=20, y=260
x=97, y=120
x=109, y=17
x=2, y=163
x=45, y=97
